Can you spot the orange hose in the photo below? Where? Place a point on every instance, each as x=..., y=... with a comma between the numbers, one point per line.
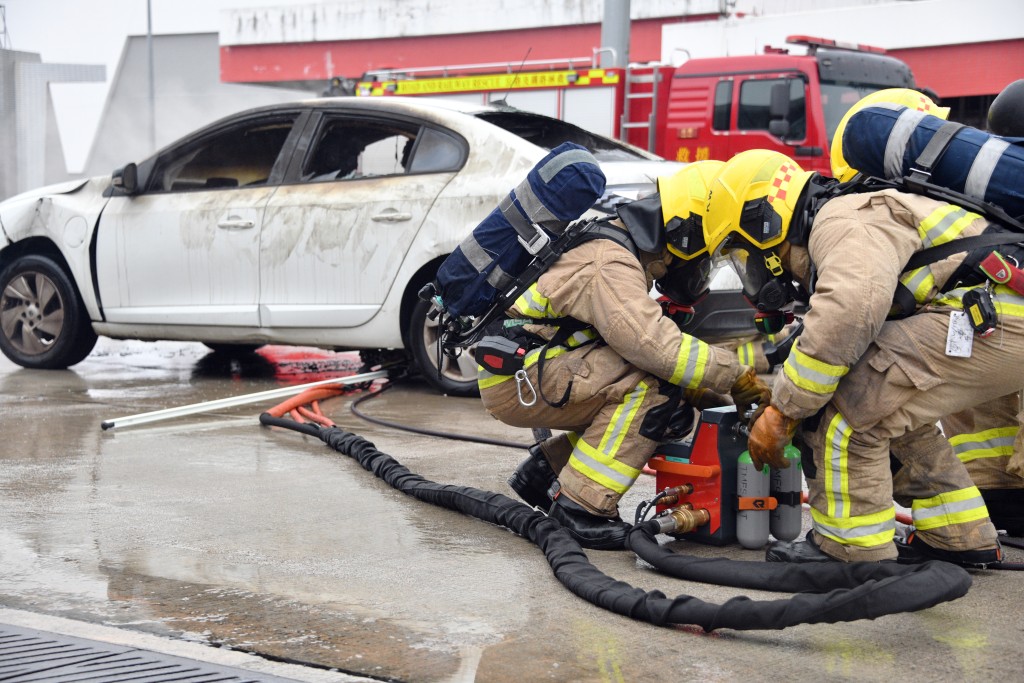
x=302, y=399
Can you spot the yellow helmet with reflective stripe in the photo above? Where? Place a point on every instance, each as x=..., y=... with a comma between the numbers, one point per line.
x=754, y=197
x=912, y=99
x=684, y=199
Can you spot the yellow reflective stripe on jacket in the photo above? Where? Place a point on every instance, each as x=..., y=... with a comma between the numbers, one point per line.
x=533, y=304
x=991, y=443
x=863, y=531
x=691, y=363
x=599, y=464
x=745, y=353
x=947, y=509
x=1006, y=301
x=920, y=282
x=945, y=224
x=811, y=374
x=837, y=479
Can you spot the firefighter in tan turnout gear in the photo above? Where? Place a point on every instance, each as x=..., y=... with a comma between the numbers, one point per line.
x=988, y=438
x=859, y=387
x=615, y=383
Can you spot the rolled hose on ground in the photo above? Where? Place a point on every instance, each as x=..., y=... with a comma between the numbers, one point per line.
x=829, y=592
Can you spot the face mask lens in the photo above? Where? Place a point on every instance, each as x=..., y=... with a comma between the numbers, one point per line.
x=750, y=269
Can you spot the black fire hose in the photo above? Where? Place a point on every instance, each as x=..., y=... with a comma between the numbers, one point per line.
x=828, y=593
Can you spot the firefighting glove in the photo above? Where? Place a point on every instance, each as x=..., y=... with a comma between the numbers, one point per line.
x=703, y=398
x=749, y=389
x=769, y=435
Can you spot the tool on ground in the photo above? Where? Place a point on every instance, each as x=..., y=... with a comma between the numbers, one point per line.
x=231, y=402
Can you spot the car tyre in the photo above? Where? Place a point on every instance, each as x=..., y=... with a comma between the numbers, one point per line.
x=43, y=323
x=458, y=376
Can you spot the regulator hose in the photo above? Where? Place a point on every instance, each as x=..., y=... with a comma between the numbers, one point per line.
x=828, y=593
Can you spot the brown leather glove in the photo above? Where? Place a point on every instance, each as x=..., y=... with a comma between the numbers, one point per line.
x=702, y=398
x=747, y=389
x=769, y=435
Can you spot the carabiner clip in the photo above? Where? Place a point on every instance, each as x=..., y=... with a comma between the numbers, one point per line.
x=522, y=379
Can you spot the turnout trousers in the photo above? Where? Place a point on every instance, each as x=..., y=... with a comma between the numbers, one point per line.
x=614, y=417
x=890, y=402
x=989, y=442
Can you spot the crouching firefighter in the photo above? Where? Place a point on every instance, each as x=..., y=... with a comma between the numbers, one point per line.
x=857, y=386
x=988, y=438
x=605, y=363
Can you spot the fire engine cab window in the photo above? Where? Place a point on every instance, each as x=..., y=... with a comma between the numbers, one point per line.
x=755, y=98
x=242, y=156
x=723, y=106
x=348, y=149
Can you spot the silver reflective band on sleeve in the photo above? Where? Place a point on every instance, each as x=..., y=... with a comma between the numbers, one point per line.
x=475, y=254
x=559, y=162
x=933, y=235
x=984, y=164
x=896, y=145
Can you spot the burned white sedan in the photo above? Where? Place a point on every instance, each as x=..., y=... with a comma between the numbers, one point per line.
x=313, y=223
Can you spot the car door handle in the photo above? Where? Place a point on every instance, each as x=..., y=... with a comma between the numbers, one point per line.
x=236, y=224
x=391, y=216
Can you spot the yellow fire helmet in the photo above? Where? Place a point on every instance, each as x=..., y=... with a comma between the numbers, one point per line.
x=912, y=99
x=684, y=199
x=754, y=197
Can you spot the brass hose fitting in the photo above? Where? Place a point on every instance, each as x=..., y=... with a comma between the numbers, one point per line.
x=682, y=520
x=673, y=494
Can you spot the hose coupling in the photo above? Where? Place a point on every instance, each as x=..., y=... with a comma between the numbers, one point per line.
x=682, y=520
x=672, y=495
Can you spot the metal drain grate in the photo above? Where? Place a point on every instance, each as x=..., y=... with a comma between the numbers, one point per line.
x=28, y=655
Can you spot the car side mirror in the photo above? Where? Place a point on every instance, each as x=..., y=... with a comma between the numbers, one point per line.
x=126, y=179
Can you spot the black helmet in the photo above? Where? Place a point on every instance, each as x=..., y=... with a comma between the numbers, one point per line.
x=1006, y=115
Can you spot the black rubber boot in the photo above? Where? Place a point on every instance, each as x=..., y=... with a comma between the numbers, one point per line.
x=533, y=479
x=912, y=550
x=1006, y=509
x=589, y=530
x=797, y=551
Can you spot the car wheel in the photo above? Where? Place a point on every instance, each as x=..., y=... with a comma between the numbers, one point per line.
x=43, y=323
x=232, y=349
x=457, y=376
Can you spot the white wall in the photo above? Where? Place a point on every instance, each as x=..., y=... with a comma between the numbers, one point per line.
x=888, y=25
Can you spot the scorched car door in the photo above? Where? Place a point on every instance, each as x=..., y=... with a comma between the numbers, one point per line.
x=185, y=252
x=187, y=258
x=335, y=238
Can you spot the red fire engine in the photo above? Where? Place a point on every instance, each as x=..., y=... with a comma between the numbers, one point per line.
x=707, y=108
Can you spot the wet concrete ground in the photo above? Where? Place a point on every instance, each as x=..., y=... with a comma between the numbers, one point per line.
x=216, y=530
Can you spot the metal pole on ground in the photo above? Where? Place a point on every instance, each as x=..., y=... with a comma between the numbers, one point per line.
x=217, y=404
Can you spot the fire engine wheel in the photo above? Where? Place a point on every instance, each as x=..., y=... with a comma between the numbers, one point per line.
x=457, y=376
x=43, y=323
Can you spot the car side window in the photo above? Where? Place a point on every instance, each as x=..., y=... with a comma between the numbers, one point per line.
x=239, y=157
x=348, y=148
x=436, y=151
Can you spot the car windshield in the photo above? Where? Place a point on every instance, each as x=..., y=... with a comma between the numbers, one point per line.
x=548, y=133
